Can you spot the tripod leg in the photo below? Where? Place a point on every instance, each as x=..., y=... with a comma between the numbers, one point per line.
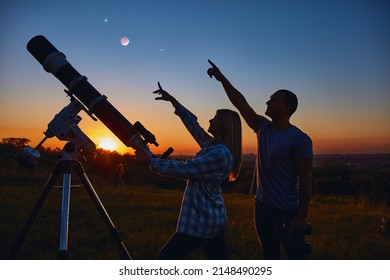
x=63, y=248
x=46, y=189
x=102, y=211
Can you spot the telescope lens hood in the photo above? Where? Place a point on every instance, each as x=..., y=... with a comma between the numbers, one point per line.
x=40, y=48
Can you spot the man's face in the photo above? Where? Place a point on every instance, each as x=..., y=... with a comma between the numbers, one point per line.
x=276, y=105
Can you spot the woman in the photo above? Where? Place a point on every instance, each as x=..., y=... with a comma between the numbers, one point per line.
x=203, y=214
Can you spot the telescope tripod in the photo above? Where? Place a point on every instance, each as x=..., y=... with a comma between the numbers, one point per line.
x=66, y=167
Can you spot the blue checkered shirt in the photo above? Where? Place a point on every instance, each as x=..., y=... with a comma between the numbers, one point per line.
x=203, y=212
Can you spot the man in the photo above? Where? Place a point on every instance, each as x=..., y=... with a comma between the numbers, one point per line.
x=282, y=178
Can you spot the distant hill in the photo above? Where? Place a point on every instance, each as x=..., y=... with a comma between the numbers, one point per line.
x=364, y=161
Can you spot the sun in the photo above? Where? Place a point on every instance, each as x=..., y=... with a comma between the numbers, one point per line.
x=108, y=144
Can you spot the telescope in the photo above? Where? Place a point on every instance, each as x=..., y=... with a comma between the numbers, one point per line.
x=54, y=62
x=65, y=127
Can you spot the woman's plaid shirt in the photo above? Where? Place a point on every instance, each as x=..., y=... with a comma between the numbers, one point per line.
x=203, y=212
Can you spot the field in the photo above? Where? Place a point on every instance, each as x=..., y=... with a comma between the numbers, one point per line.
x=343, y=227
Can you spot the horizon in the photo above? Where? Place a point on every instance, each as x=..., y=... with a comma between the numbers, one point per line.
x=334, y=55
x=130, y=151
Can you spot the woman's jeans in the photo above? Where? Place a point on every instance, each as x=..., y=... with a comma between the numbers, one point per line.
x=181, y=245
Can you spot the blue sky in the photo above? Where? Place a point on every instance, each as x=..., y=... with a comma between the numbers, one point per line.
x=335, y=55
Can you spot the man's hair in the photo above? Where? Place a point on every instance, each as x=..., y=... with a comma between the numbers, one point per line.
x=231, y=126
x=290, y=99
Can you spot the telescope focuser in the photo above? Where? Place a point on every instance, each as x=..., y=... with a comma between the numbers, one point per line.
x=146, y=134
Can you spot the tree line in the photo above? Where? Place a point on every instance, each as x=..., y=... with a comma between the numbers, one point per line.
x=329, y=178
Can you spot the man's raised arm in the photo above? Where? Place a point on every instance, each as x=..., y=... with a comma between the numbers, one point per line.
x=237, y=99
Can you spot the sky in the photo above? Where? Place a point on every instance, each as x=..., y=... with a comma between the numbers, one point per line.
x=334, y=54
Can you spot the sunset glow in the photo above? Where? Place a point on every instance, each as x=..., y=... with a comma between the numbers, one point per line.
x=338, y=69
x=108, y=144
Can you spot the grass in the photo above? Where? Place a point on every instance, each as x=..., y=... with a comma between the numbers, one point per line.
x=342, y=227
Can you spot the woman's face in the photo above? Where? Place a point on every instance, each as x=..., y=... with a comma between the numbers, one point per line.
x=215, y=126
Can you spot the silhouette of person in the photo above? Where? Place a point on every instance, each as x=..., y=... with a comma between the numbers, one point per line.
x=282, y=177
x=203, y=214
